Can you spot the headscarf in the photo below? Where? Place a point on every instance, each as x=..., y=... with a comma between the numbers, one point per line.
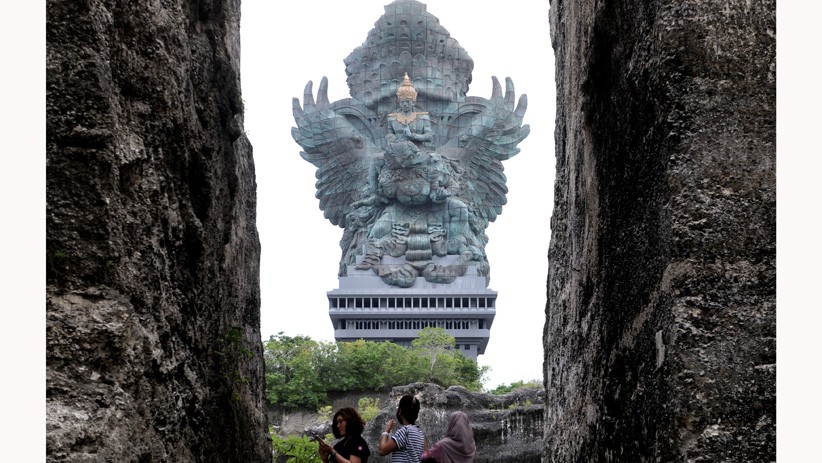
x=458, y=445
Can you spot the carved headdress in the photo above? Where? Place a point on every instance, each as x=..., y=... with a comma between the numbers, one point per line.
x=406, y=90
x=407, y=38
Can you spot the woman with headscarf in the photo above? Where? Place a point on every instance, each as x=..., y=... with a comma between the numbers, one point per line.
x=458, y=445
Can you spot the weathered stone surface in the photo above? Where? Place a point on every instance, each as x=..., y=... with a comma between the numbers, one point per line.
x=507, y=428
x=660, y=331
x=152, y=300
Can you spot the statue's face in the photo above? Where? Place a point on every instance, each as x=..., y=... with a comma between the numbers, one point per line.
x=406, y=104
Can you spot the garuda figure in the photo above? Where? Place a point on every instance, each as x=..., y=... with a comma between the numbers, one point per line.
x=409, y=166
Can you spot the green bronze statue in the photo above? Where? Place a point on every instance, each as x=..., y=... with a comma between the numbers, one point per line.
x=410, y=166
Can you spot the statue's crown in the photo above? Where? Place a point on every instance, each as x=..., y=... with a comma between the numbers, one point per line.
x=406, y=90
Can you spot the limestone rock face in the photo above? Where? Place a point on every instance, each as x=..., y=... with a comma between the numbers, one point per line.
x=152, y=301
x=507, y=428
x=660, y=331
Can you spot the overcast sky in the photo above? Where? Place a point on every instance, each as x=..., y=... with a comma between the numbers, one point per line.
x=283, y=48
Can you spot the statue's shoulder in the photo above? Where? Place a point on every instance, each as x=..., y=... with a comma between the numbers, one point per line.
x=423, y=115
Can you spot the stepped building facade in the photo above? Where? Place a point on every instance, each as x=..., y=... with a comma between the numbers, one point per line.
x=363, y=307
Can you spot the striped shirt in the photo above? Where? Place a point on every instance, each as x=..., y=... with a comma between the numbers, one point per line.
x=409, y=441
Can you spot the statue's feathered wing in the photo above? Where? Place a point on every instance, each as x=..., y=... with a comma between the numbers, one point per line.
x=491, y=136
x=334, y=142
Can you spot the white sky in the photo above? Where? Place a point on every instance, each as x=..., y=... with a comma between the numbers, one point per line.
x=282, y=49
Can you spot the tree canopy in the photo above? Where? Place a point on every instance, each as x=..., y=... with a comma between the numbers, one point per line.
x=300, y=372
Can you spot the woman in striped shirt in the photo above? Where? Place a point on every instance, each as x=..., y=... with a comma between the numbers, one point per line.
x=406, y=444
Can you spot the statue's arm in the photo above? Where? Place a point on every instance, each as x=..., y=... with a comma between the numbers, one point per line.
x=426, y=134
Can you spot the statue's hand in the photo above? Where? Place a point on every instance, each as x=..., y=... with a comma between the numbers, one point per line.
x=440, y=195
x=316, y=121
x=498, y=128
x=502, y=114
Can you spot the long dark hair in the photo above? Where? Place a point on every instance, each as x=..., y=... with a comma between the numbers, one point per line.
x=353, y=423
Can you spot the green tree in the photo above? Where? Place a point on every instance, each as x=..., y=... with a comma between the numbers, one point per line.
x=405, y=366
x=469, y=373
x=431, y=342
x=300, y=372
x=291, y=371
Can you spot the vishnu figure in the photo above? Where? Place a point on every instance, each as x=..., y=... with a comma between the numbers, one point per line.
x=408, y=124
x=425, y=217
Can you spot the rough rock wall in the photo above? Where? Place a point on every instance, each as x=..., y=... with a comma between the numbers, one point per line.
x=152, y=300
x=507, y=428
x=660, y=330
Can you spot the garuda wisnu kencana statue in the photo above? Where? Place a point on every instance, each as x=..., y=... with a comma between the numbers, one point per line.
x=409, y=166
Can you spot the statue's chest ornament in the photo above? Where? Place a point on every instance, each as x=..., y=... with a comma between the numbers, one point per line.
x=406, y=119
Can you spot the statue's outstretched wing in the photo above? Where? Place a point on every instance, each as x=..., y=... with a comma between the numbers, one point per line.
x=490, y=138
x=339, y=149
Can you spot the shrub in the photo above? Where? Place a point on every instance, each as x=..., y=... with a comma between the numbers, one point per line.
x=506, y=388
x=296, y=449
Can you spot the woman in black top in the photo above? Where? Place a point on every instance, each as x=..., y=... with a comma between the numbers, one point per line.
x=346, y=426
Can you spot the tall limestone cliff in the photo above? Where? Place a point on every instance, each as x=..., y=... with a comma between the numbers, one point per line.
x=660, y=331
x=152, y=300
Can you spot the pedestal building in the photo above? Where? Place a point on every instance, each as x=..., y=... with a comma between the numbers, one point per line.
x=363, y=307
